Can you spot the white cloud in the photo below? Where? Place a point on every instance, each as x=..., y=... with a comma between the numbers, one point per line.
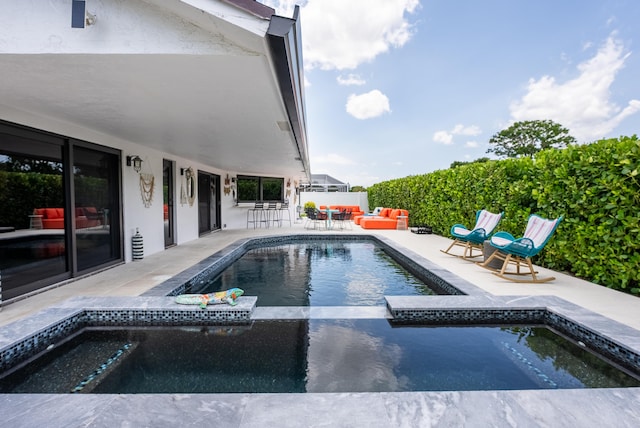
x=443, y=137
x=368, y=105
x=472, y=130
x=340, y=34
x=351, y=79
x=471, y=144
x=446, y=137
x=282, y=7
x=332, y=159
x=583, y=104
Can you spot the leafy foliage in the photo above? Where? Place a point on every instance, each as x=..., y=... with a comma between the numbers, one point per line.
x=456, y=164
x=528, y=138
x=596, y=188
x=22, y=191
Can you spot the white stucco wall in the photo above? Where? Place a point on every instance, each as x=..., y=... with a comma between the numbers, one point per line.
x=149, y=221
x=336, y=198
x=126, y=26
x=133, y=27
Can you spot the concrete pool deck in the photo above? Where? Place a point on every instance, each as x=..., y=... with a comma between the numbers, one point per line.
x=601, y=407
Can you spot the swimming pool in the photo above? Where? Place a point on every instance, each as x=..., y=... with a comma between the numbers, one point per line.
x=434, y=279
x=369, y=355
x=318, y=274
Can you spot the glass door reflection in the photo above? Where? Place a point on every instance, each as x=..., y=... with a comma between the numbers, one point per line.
x=95, y=176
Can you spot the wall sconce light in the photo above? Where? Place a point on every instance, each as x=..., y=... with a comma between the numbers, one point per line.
x=135, y=161
x=80, y=16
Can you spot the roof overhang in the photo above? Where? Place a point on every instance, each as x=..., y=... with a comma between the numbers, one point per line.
x=217, y=81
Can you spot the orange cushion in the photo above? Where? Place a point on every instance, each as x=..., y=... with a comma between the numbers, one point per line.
x=374, y=222
x=51, y=213
x=394, y=214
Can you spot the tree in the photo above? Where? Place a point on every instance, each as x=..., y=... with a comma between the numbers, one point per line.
x=529, y=137
x=358, y=189
x=456, y=164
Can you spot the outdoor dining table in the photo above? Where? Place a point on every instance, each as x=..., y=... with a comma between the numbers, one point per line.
x=329, y=214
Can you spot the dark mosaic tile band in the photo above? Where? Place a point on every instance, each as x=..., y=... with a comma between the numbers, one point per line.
x=38, y=342
x=594, y=341
x=25, y=349
x=468, y=316
x=142, y=318
x=615, y=352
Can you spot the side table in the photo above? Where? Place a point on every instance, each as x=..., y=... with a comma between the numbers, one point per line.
x=35, y=221
x=401, y=223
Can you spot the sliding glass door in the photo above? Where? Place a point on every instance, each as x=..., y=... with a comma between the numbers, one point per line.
x=33, y=245
x=59, y=208
x=96, y=203
x=168, y=201
x=208, y=202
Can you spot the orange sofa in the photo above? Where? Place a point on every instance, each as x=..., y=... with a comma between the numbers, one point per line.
x=53, y=218
x=384, y=212
x=388, y=219
x=355, y=209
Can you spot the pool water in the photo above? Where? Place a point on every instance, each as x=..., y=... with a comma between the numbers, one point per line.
x=318, y=274
x=369, y=355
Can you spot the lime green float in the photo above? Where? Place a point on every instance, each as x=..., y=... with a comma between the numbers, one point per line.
x=228, y=296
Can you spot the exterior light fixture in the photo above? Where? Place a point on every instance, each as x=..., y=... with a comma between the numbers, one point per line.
x=80, y=16
x=135, y=161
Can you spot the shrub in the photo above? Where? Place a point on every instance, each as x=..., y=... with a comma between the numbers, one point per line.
x=596, y=188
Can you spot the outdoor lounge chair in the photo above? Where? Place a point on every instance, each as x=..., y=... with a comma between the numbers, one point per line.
x=519, y=251
x=469, y=239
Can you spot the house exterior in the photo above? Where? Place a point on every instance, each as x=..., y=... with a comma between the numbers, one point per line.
x=324, y=183
x=154, y=121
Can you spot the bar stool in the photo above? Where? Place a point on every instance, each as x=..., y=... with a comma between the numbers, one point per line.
x=284, y=208
x=272, y=213
x=257, y=215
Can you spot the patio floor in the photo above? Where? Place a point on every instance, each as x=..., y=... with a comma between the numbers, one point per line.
x=135, y=278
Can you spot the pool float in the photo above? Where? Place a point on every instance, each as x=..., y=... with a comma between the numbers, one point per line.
x=227, y=296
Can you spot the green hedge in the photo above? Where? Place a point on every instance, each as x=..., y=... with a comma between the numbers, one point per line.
x=596, y=188
x=20, y=192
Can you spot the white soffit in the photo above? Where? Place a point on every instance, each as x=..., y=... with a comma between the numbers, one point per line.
x=192, y=85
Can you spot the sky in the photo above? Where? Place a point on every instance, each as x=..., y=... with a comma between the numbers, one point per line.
x=395, y=88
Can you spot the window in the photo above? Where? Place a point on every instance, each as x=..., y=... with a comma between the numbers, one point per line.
x=251, y=189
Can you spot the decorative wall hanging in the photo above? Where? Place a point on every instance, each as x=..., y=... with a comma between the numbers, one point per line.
x=146, y=179
x=288, y=188
x=227, y=185
x=147, y=185
x=233, y=189
x=188, y=189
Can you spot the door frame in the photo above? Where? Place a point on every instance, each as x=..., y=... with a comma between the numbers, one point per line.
x=212, y=183
x=169, y=200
